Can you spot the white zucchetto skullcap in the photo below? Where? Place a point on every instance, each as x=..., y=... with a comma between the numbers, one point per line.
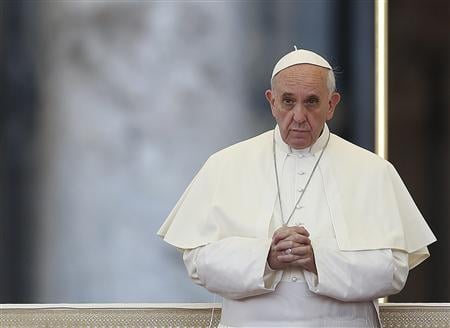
x=301, y=56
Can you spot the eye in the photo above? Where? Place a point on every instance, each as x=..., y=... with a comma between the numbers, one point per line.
x=312, y=101
x=288, y=101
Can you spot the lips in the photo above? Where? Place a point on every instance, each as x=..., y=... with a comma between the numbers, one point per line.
x=301, y=131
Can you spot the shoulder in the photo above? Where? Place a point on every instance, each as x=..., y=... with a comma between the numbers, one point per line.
x=241, y=157
x=245, y=149
x=356, y=156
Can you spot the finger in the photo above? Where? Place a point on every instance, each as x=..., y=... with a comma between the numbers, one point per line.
x=285, y=244
x=280, y=235
x=301, y=230
x=300, y=239
x=288, y=258
x=302, y=251
x=307, y=261
x=285, y=232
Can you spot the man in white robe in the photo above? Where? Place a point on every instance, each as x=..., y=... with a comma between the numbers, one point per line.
x=298, y=227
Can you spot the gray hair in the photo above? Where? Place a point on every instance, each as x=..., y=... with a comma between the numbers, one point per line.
x=331, y=81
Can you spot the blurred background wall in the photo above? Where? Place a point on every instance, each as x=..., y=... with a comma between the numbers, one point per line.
x=108, y=109
x=419, y=105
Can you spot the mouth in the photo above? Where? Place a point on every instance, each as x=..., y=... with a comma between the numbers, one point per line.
x=299, y=131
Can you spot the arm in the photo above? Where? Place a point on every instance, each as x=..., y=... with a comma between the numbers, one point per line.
x=343, y=275
x=233, y=267
x=357, y=275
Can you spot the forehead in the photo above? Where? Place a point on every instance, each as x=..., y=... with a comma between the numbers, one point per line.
x=301, y=78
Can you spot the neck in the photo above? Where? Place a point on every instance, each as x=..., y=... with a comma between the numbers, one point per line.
x=314, y=148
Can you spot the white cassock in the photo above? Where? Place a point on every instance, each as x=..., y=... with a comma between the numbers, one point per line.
x=365, y=230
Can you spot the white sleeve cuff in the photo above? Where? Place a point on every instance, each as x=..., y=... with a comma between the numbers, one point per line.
x=271, y=277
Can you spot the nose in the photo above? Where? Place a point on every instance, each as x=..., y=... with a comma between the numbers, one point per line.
x=299, y=113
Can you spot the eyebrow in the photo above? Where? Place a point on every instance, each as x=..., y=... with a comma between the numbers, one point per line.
x=288, y=94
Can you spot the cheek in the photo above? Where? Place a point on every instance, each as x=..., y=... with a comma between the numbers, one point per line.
x=286, y=117
x=320, y=117
x=278, y=114
x=283, y=120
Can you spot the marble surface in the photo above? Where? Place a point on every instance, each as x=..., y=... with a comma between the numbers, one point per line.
x=393, y=315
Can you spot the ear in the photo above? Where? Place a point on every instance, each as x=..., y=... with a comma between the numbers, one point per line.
x=270, y=99
x=333, y=102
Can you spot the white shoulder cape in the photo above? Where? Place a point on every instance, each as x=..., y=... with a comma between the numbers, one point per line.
x=234, y=194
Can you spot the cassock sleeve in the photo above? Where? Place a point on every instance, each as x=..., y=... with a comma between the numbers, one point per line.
x=234, y=267
x=357, y=275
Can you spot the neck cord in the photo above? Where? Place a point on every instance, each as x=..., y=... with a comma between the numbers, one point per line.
x=285, y=223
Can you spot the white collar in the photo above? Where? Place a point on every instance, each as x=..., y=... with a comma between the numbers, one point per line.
x=314, y=148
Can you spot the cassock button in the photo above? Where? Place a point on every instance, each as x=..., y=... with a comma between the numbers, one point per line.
x=301, y=173
x=294, y=279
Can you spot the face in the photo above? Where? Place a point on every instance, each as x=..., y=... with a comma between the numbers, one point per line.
x=301, y=103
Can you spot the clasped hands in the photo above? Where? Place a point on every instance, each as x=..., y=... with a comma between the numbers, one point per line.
x=291, y=246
